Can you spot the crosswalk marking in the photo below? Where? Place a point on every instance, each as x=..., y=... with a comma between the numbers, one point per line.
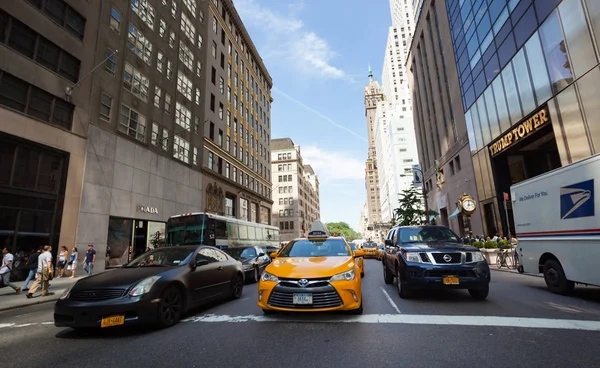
x=417, y=319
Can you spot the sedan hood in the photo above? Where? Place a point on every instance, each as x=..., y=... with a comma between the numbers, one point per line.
x=119, y=278
x=310, y=267
x=443, y=246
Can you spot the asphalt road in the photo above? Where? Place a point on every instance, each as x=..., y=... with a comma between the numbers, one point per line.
x=435, y=329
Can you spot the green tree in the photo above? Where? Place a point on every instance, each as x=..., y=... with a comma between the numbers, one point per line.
x=343, y=229
x=410, y=211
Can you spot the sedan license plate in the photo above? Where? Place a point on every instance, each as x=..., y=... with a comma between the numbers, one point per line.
x=303, y=299
x=451, y=280
x=112, y=321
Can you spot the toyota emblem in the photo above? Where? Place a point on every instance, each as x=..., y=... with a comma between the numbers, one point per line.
x=447, y=257
x=303, y=282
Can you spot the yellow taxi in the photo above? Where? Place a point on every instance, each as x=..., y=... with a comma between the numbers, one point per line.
x=318, y=273
x=380, y=250
x=370, y=250
x=359, y=260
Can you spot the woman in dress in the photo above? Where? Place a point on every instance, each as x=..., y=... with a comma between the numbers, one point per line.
x=73, y=262
x=61, y=261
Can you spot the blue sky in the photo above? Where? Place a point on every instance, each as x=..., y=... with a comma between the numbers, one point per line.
x=318, y=52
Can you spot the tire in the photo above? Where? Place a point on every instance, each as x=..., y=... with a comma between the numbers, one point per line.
x=171, y=306
x=237, y=286
x=403, y=290
x=268, y=312
x=255, y=275
x=510, y=263
x=555, y=278
x=362, y=275
x=480, y=294
x=387, y=276
x=499, y=261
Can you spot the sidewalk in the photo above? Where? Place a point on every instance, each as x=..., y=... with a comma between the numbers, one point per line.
x=10, y=300
x=495, y=268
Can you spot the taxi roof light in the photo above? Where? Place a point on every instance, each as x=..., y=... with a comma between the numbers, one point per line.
x=318, y=230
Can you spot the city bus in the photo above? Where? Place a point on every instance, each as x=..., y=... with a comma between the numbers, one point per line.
x=220, y=231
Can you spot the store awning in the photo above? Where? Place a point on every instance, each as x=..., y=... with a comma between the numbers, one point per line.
x=454, y=214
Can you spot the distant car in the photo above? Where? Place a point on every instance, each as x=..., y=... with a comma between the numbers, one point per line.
x=370, y=250
x=432, y=257
x=359, y=260
x=254, y=261
x=156, y=288
x=380, y=250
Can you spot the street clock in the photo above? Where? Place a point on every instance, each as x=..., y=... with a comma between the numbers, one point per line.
x=467, y=204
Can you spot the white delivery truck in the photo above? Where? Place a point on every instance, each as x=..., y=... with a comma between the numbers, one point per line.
x=558, y=226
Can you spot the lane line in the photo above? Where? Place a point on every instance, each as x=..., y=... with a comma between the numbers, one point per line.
x=389, y=298
x=476, y=321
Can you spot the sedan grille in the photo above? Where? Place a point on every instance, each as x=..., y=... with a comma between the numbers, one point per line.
x=447, y=258
x=324, y=299
x=97, y=295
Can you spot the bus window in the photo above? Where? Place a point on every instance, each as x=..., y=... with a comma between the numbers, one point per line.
x=235, y=234
x=230, y=229
x=260, y=234
x=251, y=233
x=243, y=232
x=220, y=229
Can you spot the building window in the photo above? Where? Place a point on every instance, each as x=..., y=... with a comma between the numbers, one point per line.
x=244, y=209
x=170, y=70
x=174, y=9
x=135, y=82
x=291, y=225
x=172, y=39
x=160, y=62
x=139, y=45
x=220, y=111
x=234, y=175
x=165, y=140
x=253, y=212
x=214, y=50
x=199, y=68
x=145, y=11
x=184, y=85
x=221, y=85
x=183, y=116
x=188, y=29
x=211, y=132
x=181, y=149
x=162, y=29
x=229, y=211
x=132, y=123
x=157, y=94
x=186, y=56
x=105, y=106
x=167, y=103
x=220, y=138
x=195, y=156
x=212, y=102
x=214, y=25
x=227, y=169
x=213, y=75
x=115, y=20
x=64, y=15
x=154, y=136
x=211, y=159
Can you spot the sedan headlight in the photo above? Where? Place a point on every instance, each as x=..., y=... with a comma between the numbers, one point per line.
x=477, y=257
x=269, y=277
x=412, y=257
x=67, y=293
x=344, y=276
x=144, y=286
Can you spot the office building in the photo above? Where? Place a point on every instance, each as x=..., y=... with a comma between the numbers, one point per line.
x=439, y=121
x=296, y=202
x=529, y=81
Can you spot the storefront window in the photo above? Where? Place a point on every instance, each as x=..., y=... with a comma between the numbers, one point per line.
x=119, y=241
x=264, y=215
x=253, y=212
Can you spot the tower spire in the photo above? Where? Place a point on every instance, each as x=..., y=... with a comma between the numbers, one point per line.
x=370, y=73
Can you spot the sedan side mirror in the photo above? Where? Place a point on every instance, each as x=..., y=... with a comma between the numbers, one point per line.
x=261, y=254
x=389, y=242
x=273, y=255
x=359, y=253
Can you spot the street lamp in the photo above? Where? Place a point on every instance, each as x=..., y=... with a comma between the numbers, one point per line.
x=423, y=191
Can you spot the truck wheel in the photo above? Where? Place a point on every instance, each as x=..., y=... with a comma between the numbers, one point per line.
x=387, y=276
x=555, y=278
x=403, y=290
x=480, y=294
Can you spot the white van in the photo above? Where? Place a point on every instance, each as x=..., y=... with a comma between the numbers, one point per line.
x=557, y=225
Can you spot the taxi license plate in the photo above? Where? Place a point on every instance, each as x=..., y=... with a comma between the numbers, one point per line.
x=112, y=321
x=451, y=280
x=303, y=299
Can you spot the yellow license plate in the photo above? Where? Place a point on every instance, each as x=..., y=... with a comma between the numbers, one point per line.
x=112, y=321
x=451, y=280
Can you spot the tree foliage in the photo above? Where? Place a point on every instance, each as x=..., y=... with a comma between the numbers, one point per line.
x=410, y=210
x=343, y=229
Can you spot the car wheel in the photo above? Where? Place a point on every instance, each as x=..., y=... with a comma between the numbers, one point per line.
x=362, y=274
x=170, y=308
x=268, y=312
x=256, y=276
x=237, y=285
x=403, y=291
x=387, y=276
x=555, y=278
x=480, y=294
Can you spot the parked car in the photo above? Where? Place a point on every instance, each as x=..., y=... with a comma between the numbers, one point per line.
x=432, y=257
x=156, y=288
x=254, y=261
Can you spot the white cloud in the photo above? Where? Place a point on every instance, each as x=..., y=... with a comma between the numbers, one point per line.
x=333, y=166
x=287, y=37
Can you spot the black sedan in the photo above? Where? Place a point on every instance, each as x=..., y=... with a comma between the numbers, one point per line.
x=254, y=260
x=432, y=257
x=157, y=288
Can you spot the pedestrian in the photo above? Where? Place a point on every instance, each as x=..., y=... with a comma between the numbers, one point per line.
x=44, y=273
x=72, y=266
x=61, y=262
x=6, y=270
x=32, y=264
x=90, y=258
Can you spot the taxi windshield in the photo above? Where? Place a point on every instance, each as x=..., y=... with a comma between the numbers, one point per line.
x=370, y=245
x=352, y=246
x=316, y=248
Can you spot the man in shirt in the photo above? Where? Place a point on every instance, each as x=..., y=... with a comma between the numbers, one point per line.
x=32, y=264
x=90, y=258
x=43, y=273
x=6, y=268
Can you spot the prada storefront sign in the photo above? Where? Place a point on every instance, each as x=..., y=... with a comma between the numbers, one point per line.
x=148, y=209
x=521, y=130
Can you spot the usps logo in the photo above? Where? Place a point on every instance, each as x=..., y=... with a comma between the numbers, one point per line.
x=577, y=200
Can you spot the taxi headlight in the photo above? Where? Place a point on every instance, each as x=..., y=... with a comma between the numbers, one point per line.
x=344, y=276
x=477, y=257
x=269, y=277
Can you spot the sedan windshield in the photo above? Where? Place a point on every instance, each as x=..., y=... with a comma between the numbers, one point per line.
x=427, y=234
x=370, y=245
x=316, y=248
x=163, y=257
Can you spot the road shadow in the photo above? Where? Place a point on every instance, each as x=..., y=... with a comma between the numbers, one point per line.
x=584, y=293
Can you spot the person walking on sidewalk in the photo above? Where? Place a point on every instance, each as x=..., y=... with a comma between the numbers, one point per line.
x=61, y=263
x=44, y=272
x=73, y=262
x=32, y=263
x=6, y=269
x=90, y=258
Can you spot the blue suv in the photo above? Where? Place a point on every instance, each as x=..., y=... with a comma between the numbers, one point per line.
x=432, y=257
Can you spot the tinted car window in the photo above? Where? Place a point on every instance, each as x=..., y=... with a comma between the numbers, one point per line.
x=207, y=254
x=174, y=256
x=427, y=234
x=316, y=248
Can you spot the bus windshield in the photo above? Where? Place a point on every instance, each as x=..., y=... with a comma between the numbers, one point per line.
x=186, y=230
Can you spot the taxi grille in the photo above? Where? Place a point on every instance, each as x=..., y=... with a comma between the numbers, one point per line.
x=454, y=258
x=97, y=295
x=321, y=299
